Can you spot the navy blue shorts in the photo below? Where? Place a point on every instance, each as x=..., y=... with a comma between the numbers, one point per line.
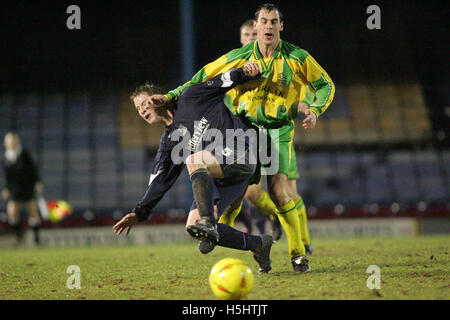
x=231, y=187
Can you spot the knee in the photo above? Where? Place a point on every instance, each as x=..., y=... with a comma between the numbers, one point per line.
x=33, y=209
x=278, y=192
x=13, y=220
x=193, y=163
x=253, y=193
x=292, y=192
x=12, y=208
x=279, y=197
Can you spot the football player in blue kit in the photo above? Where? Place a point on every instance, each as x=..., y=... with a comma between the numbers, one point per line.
x=220, y=156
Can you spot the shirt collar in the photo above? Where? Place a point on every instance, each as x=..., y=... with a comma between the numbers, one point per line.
x=258, y=54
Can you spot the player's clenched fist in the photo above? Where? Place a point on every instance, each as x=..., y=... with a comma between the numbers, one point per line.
x=251, y=69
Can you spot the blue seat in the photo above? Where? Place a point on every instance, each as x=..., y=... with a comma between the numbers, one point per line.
x=28, y=118
x=323, y=190
x=107, y=177
x=133, y=160
x=53, y=117
x=404, y=177
x=102, y=140
x=430, y=176
x=81, y=187
x=304, y=176
x=180, y=195
x=53, y=140
x=52, y=157
x=105, y=128
x=54, y=188
x=79, y=140
x=376, y=174
x=352, y=188
x=135, y=181
x=106, y=192
x=106, y=162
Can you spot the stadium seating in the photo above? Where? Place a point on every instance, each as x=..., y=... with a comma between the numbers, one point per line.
x=322, y=180
x=430, y=174
x=350, y=180
x=362, y=114
x=445, y=161
x=95, y=151
x=372, y=145
x=377, y=178
x=404, y=177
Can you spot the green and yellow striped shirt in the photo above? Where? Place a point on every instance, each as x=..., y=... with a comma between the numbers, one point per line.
x=290, y=75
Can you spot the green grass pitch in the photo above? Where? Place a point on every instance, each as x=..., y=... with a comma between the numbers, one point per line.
x=411, y=268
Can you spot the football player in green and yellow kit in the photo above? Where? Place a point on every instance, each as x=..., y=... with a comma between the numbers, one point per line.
x=271, y=103
x=255, y=193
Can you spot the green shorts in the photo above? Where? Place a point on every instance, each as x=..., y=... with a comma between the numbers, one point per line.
x=293, y=169
x=283, y=144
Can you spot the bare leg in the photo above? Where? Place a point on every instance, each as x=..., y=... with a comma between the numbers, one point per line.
x=254, y=192
x=277, y=185
x=204, y=160
x=34, y=221
x=13, y=211
x=261, y=200
x=292, y=189
x=194, y=215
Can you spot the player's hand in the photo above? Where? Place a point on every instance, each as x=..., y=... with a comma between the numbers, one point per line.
x=158, y=100
x=251, y=69
x=127, y=223
x=310, y=121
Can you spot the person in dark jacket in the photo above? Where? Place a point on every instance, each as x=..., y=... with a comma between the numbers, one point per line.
x=22, y=185
x=217, y=151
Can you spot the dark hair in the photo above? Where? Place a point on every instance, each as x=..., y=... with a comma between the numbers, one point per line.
x=269, y=7
x=148, y=88
x=151, y=89
x=247, y=23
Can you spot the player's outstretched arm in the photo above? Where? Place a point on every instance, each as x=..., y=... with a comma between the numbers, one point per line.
x=224, y=82
x=126, y=222
x=233, y=59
